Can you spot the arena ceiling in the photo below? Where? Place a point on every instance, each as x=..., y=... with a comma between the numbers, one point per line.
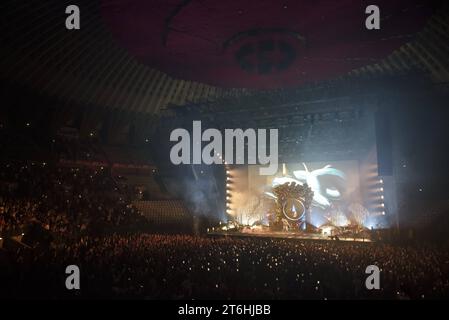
x=261, y=44
x=141, y=55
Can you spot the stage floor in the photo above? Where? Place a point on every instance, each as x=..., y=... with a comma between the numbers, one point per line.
x=286, y=235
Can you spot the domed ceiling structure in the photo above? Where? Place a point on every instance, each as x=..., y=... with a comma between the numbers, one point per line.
x=260, y=44
x=105, y=67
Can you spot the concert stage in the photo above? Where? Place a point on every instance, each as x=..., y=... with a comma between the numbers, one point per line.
x=285, y=235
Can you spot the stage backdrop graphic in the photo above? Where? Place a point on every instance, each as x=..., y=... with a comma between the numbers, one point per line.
x=336, y=185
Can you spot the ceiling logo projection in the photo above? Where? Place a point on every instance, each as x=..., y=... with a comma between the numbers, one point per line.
x=265, y=51
x=262, y=44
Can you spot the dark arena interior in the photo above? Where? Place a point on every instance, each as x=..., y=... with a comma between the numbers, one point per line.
x=224, y=150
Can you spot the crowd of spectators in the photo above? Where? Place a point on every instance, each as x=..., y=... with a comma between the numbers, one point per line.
x=67, y=201
x=76, y=149
x=94, y=226
x=188, y=267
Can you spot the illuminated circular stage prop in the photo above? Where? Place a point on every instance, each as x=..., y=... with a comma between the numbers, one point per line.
x=292, y=202
x=294, y=209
